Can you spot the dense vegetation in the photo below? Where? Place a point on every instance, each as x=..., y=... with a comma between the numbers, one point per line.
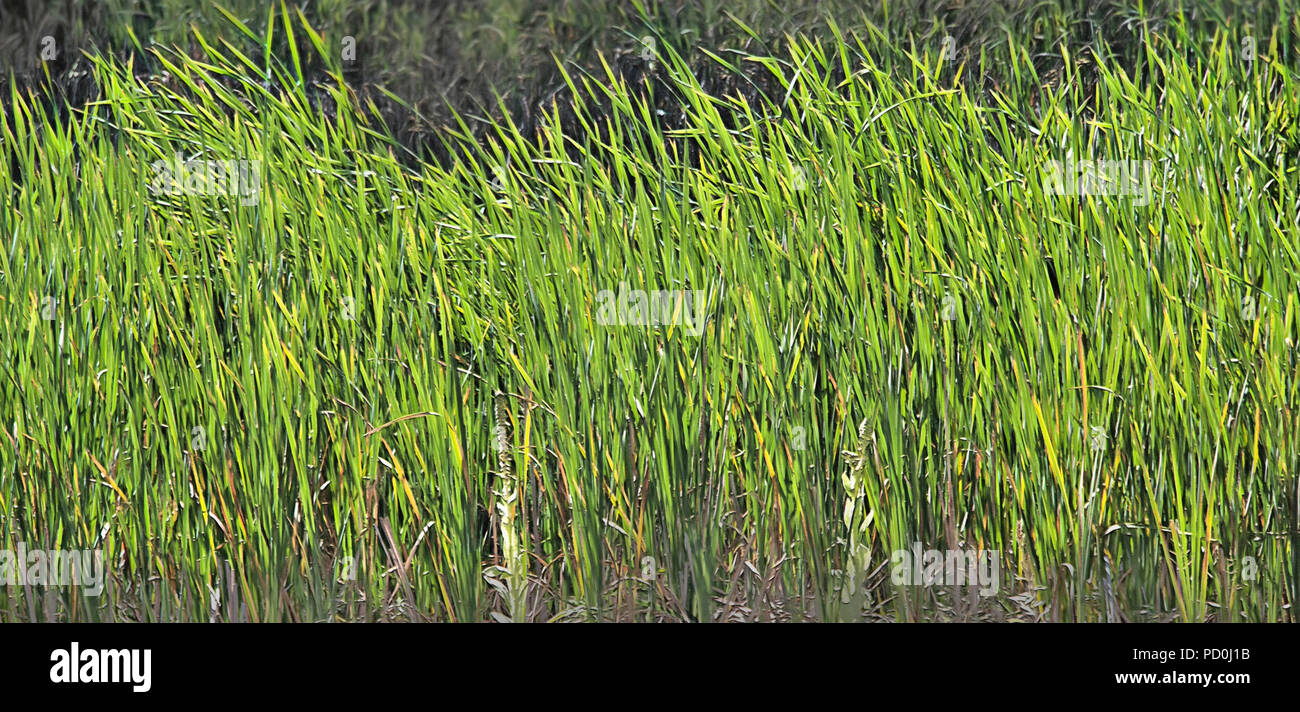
x=354, y=380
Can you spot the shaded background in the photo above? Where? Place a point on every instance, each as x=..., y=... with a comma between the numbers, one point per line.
x=481, y=59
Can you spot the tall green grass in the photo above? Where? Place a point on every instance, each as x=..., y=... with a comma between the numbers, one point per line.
x=379, y=394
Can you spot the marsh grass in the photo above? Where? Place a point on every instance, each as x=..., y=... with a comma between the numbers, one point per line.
x=381, y=393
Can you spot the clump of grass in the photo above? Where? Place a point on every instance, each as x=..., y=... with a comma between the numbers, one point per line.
x=377, y=392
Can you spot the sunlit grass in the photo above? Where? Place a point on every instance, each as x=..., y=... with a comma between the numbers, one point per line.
x=378, y=394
